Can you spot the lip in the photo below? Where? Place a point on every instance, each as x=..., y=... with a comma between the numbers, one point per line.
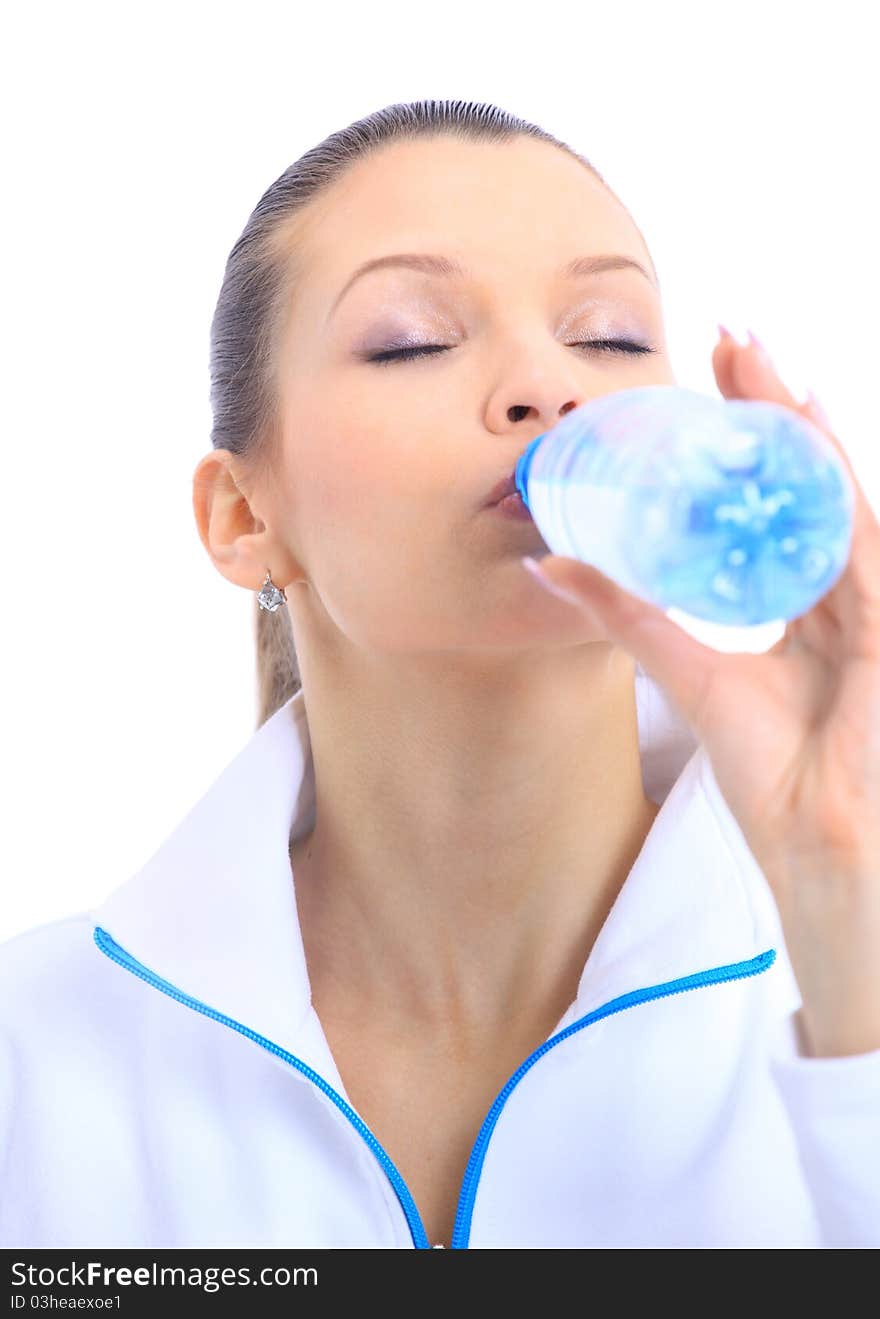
x=506, y=486
x=512, y=506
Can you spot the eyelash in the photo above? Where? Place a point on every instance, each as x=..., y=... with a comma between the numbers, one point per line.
x=431, y=350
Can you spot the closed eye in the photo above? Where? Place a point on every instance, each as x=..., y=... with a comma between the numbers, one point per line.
x=425, y=350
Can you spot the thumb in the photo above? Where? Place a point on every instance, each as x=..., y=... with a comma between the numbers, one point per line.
x=683, y=666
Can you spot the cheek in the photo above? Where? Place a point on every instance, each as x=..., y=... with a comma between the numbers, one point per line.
x=360, y=514
x=376, y=514
x=343, y=493
x=374, y=483
x=382, y=573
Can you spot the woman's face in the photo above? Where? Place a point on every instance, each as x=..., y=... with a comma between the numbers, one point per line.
x=385, y=470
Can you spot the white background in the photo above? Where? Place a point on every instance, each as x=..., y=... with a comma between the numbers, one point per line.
x=137, y=140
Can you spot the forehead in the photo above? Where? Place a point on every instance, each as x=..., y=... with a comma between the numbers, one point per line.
x=478, y=202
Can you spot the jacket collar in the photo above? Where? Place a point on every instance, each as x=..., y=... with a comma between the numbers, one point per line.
x=213, y=911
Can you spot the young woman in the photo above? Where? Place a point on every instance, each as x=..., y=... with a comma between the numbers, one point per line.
x=523, y=919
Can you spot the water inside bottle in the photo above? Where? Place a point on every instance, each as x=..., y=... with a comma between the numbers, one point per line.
x=729, y=512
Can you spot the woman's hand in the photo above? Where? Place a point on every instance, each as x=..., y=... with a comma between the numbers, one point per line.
x=793, y=737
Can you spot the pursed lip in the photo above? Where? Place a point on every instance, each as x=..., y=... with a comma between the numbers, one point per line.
x=504, y=487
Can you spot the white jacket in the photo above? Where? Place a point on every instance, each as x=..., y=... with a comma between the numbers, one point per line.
x=165, y=1081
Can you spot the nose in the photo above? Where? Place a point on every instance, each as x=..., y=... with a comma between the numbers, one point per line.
x=518, y=411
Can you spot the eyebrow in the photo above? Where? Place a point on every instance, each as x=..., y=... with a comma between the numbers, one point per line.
x=449, y=269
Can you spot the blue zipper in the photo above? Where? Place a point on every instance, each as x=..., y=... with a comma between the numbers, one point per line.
x=464, y=1213
x=109, y=946
x=735, y=971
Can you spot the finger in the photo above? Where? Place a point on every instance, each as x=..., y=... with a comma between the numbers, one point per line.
x=758, y=378
x=722, y=362
x=740, y=371
x=746, y=371
x=673, y=658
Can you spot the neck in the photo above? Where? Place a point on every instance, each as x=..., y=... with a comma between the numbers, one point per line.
x=470, y=836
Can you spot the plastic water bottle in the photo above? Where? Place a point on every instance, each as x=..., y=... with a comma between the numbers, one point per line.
x=735, y=511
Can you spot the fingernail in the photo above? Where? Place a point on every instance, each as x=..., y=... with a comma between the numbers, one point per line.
x=724, y=332
x=532, y=567
x=818, y=410
x=762, y=351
